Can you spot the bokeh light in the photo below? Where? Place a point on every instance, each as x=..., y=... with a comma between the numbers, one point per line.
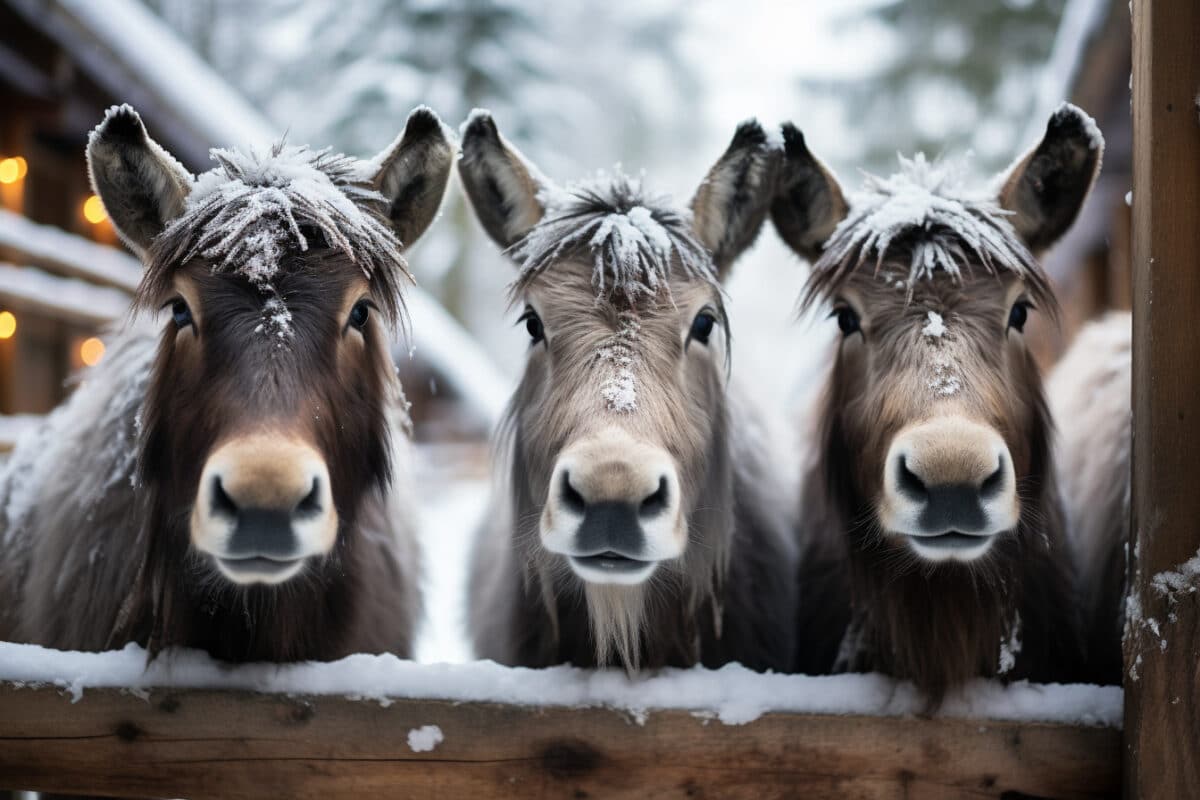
x=13, y=169
x=91, y=351
x=93, y=210
x=8, y=324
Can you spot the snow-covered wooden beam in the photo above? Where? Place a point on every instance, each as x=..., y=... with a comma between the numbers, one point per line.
x=55, y=250
x=1162, y=638
x=235, y=744
x=63, y=298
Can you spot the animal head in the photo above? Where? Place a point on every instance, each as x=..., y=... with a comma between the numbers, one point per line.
x=935, y=401
x=267, y=419
x=618, y=426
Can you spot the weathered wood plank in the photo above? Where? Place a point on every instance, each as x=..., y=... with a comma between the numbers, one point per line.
x=232, y=745
x=1162, y=706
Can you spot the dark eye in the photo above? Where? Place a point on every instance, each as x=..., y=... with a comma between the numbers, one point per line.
x=702, y=327
x=360, y=314
x=847, y=320
x=533, y=324
x=1019, y=315
x=180, y=313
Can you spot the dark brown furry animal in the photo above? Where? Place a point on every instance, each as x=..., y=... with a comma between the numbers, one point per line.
x=1090, y=394
x=231, y=477
x=933, y=546
x=638, y=521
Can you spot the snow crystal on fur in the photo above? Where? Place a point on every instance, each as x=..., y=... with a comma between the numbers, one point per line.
x=922, y=215
x=251, y=212
x=632, y=239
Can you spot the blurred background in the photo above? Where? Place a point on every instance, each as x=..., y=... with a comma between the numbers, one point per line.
x=656, y=86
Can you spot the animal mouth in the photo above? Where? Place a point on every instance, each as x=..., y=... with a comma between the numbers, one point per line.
x=258, y=565
x=611, y=561
x=950, y=541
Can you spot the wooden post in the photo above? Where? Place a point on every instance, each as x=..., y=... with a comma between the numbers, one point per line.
x=1162, y=655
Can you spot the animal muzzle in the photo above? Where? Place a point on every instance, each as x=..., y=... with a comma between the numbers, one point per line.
x=949, y=488
x=263, y=507
x=613, y=509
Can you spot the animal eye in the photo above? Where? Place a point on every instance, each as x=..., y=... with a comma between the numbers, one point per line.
x=360, y=314
x=702, y=326
x=1019, y=315
x=180, y=313
x=533, y=324
x=847, y=320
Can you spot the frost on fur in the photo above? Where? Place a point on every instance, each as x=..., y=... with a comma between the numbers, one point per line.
x=923, y=216
x=252, y=212
x=631, y=238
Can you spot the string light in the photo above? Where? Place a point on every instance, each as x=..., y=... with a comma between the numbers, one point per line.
x=93, y=210
x=91, y=351
x=8, y=324
x=13, y=169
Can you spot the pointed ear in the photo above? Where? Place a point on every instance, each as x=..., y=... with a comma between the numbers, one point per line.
x=502, y=184
x=1046, y=187
x=141, y=185
x=731, y=204
x=809, y=202
x=412, y=174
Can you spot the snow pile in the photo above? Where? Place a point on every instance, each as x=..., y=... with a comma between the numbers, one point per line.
x=59, y=251
x=732, y=694
x=945, y=380
x=922, y=215
x=67, y=297
x=1010, y=648
x=1185, y=579
x=251, y=211
x=425, y=738
x=619, y=356
x=631, y=238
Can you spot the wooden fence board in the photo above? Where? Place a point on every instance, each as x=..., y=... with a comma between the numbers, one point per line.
x=223, y=744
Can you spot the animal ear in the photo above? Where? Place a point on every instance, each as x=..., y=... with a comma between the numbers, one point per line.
x=141, y=185
x=1046, y=187
x=809, y=202
x=412, y=174
x=502, y=184
x=731, y=204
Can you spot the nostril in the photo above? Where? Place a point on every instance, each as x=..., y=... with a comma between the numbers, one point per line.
x=571, y=498
x=657, y=502
x=222, y=503
x=311, y=504
x=909, y=482
x=992, y=485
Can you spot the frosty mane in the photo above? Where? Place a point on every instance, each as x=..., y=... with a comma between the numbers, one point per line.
x=631, y=237
x=922, y=215
x=252, y=212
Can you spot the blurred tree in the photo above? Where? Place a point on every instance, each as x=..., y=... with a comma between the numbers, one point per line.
x=960, y=74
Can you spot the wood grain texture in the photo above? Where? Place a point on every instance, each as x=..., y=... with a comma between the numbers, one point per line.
x=232, y=745
x=1162, y=706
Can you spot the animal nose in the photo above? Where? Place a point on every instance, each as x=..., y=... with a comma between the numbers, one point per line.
x=266, y=530
x=949, y=475
x=613, y=525
x=264, y=505
x=613, y=506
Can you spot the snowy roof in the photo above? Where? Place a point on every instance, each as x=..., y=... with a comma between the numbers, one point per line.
x=65, y=298
x=65, y=253
x=631, y=237
x=923, y=215
x=733, y=694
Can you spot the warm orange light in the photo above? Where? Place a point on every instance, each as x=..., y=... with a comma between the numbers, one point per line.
x=13, y=169
x=93, y=210
x=8, y=324
x=91, y=351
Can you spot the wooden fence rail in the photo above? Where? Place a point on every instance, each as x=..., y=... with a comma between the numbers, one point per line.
x=232, y=744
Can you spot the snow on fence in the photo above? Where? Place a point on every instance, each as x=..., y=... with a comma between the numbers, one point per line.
x=63, y=253
x=380, y=726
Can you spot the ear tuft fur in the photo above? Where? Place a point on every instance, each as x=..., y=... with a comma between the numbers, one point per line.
x=412, y=173
x=732, y=202
x=1047, y=186
x=502, y=184
x=809, y=202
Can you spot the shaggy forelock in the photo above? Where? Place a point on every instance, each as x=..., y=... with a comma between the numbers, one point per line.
x=921, y=216
x=252, y=212
x=631, y=238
